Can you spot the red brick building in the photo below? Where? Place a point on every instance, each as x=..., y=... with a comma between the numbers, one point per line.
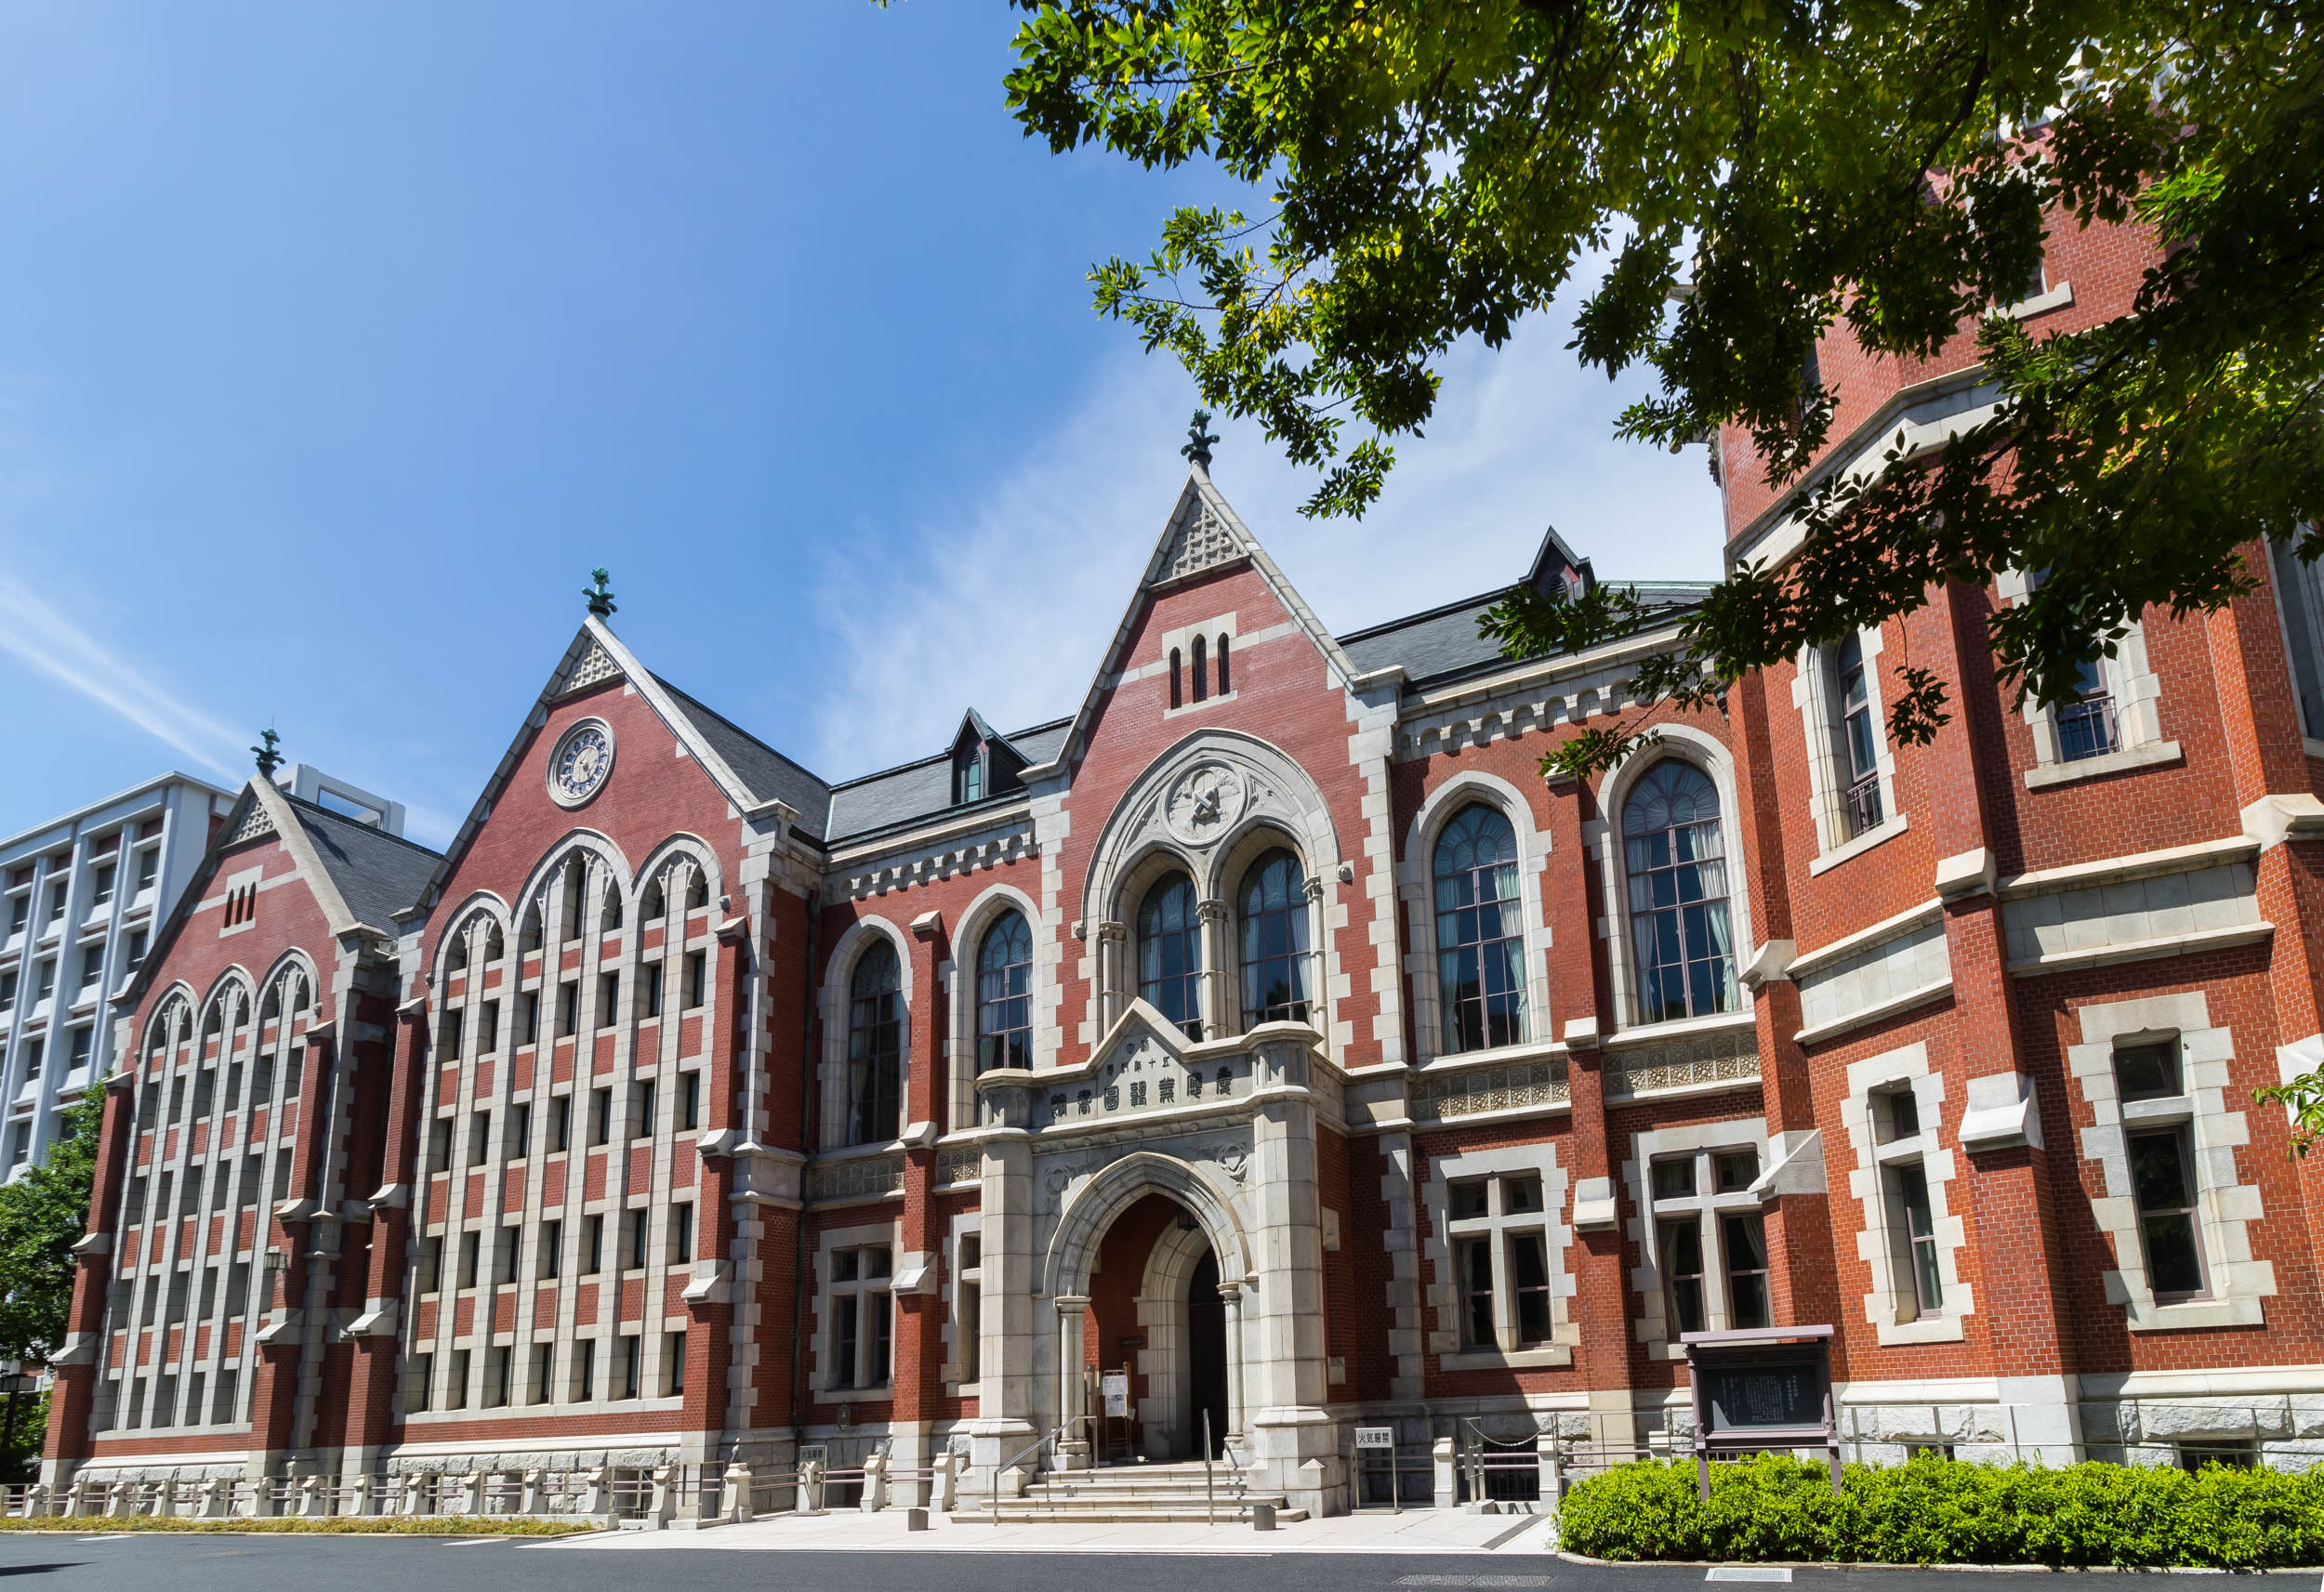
x=1269, y=1031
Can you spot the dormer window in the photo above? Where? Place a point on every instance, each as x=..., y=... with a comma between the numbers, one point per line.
x=983, y=764
x=968, y=774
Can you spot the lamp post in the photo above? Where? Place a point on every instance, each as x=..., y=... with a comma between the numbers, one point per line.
x=16, y=1385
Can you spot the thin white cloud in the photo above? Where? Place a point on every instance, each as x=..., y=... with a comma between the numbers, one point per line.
x=1010, y=606
x=49, y=642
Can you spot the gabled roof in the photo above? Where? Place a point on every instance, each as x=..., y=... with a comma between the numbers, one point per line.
x=362, y=877
x=750, y=773
x=1443, y=643
x=1202, y=533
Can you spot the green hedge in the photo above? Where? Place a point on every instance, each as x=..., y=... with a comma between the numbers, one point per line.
x=1942, y=1511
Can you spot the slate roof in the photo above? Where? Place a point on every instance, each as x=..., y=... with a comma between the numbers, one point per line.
x=923, y=789
x=1443, y=643
x=378, y=875
x=769, y=775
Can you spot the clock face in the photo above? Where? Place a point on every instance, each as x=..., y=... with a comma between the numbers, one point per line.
x=579, y=767
x=1204, y=802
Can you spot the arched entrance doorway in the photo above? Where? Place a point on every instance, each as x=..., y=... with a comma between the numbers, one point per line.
x=1157, y=1319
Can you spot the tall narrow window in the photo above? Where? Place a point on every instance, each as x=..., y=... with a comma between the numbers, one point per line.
x=1676, y=859
x=2086, y=726
x=2163, y=1181
x=1004, y=994
x=1681, y=1259
x=970, y=1290
x=1480, y=938
x=1170, y=953
x=1476, y=1294
x=1224, y=683
x=1275, y=940
x=1746, y=1241
x=1915, y=1226
x=1177, y=697
x=861, y=1324
x=1859, y=740
x=1202, y=673
x=875, y=1045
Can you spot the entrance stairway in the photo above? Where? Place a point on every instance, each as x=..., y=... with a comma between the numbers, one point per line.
x=1117, y=1492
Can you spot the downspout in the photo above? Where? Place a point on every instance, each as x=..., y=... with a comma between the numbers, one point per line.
x=806, y=1101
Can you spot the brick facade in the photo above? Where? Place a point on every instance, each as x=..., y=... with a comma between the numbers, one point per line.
x=685, y=1109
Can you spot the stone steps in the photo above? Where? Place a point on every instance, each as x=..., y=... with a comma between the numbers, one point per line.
x=1173, y=1493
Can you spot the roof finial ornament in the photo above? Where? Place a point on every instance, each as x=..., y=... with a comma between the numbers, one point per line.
x=1198, y=438
x=268, y=758
x=601, y=596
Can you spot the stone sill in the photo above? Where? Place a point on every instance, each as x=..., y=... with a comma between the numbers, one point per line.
x=1515, y=1359
x=1887, y=830
x=1876, y=1012
x=2155, y=754
x=1929, y=1329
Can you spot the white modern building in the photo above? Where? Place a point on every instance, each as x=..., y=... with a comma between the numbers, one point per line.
x=81, y=897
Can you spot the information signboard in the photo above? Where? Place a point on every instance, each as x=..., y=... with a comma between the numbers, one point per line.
x=1114, y=1386
x=1763, y=1388
x=1375, y=1437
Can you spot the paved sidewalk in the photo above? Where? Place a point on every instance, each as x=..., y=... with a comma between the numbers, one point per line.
x=1434, y=1532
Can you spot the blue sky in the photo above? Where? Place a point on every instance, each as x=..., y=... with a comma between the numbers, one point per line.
x=339, y=342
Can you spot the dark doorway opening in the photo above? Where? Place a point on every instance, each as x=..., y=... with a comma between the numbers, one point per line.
x=1206, y=1358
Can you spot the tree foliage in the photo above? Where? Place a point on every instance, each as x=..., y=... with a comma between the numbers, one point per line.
x=42, y=1215
x=1763, y=174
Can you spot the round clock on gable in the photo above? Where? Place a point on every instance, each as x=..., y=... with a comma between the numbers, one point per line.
x=579, y=767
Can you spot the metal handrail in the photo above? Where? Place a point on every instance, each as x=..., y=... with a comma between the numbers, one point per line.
x=992, y=1487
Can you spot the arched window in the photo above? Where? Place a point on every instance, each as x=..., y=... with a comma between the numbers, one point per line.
x=1004, y=995
x=610, y=919
x=1170, y=953
x=697, y=890
x=1224, y=685
x=1675, y=856
x=1275, y=940
x=1480, y=935
x=455, y=957
x=654, y=906
x=875, y=1045
x=494, y=943
x=529, y=937
x=1202, y=672
x=1177, y=693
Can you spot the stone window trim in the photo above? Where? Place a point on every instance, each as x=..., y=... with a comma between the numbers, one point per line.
x=964, y=1225
x=956, y=978
x=1702, y=1140
x=1443, y=1295
x=1889, y=1304
x=1813, y=685
x=1181, y=643
x=2137, y=693
x=1416, y=886
x=2225, y=1203
x=838, y=975
x=822, y=1375
x=1603, y=840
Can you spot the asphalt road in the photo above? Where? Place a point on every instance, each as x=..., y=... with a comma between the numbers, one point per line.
x=58, y=1563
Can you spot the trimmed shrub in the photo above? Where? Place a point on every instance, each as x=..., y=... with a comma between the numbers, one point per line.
x=1942, y=1511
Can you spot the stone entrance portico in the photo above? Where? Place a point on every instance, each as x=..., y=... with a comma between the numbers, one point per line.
x=1223, y=1130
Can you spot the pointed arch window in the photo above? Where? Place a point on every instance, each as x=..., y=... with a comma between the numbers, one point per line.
x=1170, y=953
x=610, y=919
x=576, y=881
x=1225, y=684
x=1274, y=939
x=1674, y=854
x=1004, y=995
x=1479, y=932
x=875, y=1045
x=655, y=907
x=698, y=891
x=529, y=937
x=494, y=943
x=1178, y=695
x=1202, y=672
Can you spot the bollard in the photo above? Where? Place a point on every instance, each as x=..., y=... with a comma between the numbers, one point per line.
x=946, y=1484
x=1447, y=1485
x=1262, y=1517
x=597, y=1499
x=534, y=1499
x=811, y=1487
x=36, y=1501
x=214, y=1498
x=311, y=1505
x=734, y=1496
x=661, y=1505
x=415, y=1494
x=875, y=1484
x=472, y=1494
x=915, y=1519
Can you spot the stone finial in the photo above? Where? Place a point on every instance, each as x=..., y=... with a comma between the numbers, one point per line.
x=601, y=595
x=1198, y=438
x=270, y=758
